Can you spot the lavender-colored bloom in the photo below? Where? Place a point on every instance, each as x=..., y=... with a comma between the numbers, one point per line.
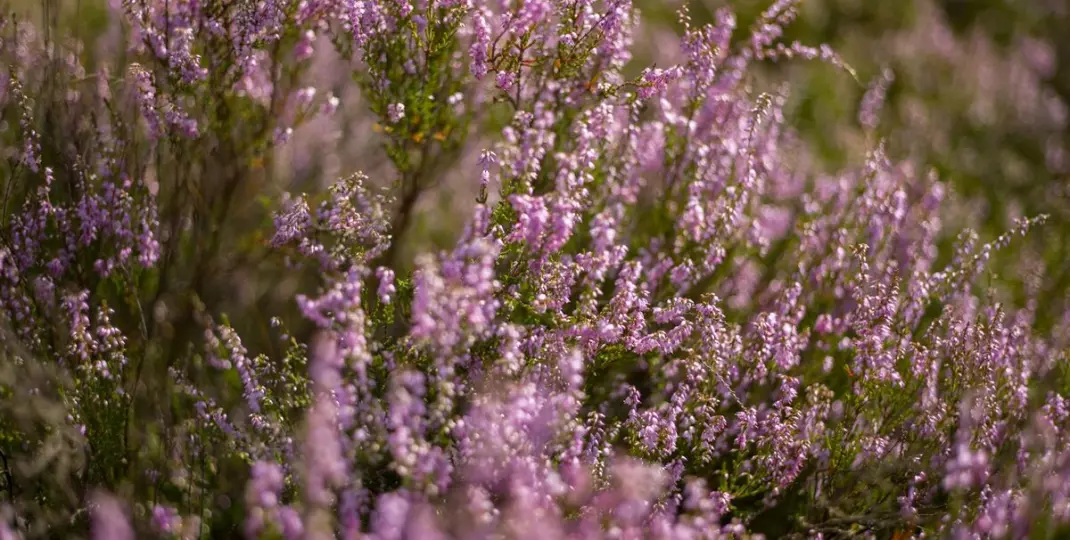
x=325, y=467
x=6, y=533
x=478, y=51
x=874, y=99
x=395, y=112
x=110, y=521
x=386, y=284
x=166, y=519
x=304, y=48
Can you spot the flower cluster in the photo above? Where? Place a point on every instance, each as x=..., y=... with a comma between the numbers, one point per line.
x=655, y=323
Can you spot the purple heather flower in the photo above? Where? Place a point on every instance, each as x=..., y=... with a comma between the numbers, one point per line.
x=109, y=520
x=478, y=51
x=166, y=519
x=386, y=284
x=395, y=112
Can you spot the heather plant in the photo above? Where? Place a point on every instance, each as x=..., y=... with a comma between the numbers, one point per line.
x=657, y=322
x=976, y=90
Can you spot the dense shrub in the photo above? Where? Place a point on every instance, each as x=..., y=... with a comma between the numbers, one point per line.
x=657, y=320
